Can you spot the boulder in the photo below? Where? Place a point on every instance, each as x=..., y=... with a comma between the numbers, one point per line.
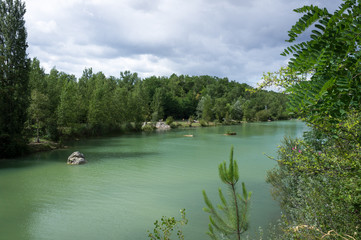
x=76, y=158
x=162, y=126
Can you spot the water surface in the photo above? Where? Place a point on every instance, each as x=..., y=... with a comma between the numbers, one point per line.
x=132, y=180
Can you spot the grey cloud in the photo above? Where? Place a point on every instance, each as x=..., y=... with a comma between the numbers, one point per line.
x=230, y=38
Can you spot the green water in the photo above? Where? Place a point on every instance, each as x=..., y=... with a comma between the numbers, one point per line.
x=132, y=180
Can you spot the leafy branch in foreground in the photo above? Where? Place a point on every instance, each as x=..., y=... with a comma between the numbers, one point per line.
x=163, y=229
x=232, y=220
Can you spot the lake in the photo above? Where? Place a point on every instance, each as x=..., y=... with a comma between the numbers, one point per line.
x=134, y=179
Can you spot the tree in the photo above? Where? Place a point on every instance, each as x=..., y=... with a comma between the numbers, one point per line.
x=101, y=107
x=86, y=85
x=232, y=221
x=237, y=109
x=68, y=109
x=14, y=77
x=37, y=76
x=204, y=108
x=54, y=83
x=38, y=110
x=128, y=80
x=221, y=109
x=333, y=56
x=158, y=104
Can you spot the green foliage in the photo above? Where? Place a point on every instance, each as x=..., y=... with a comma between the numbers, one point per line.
x=99, y=115
x=203, y=123
x=237, y=110
x=67, y=111
x=263, y=115
x=265, y=106
x=232, y=221
x=283, y=79
x=169, y=120
x=164, y=228
x=148, y=127
x=95, y=104
x=14, y=77
x=317, y=179
x=38, y=110
x=204, y=108
x=158, y=105
x=318, y=190
x=333, y=56
x=221, y=109
x=190, y=120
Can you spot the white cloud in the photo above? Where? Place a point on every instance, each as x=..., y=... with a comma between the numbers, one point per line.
x=228, y=38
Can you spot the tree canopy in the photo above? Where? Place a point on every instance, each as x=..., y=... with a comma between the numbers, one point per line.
x=95, y=104
x=14, y=77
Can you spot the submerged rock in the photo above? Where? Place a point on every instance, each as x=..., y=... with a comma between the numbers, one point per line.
x=76, y=158
x=230, y=133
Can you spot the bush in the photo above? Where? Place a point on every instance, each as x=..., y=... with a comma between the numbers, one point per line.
x=155, y=117
x=148, y=127
x=263, y=115
x=169, y=120
x=190, y=120
x=164, y=228
x=203, y=123
x=318, y=190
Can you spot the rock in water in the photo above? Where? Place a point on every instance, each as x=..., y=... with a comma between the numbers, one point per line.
x=76, y=158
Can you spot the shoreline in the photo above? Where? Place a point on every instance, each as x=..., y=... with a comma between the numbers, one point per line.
x=48, y=145
x=43, y=146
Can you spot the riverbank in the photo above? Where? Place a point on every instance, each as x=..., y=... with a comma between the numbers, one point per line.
x=43, y=146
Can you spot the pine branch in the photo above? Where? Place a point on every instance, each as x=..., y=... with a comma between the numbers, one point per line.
x=232, y=220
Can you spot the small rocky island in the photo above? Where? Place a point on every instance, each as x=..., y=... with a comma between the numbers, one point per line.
x=76, y=158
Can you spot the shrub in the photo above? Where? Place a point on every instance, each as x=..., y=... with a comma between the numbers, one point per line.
x=148, y=127
x=203, y=123
x=169, y=120
x=263, y=115
x=190, y=120
x=163, y=229
x=317, y=189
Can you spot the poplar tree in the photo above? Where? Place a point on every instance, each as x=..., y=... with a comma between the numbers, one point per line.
x=14, y=77
x=232, y=221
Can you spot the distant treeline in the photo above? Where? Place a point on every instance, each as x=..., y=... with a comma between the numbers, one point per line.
x=63, y=106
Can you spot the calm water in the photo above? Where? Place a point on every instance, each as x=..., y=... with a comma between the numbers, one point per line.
x=132, y=180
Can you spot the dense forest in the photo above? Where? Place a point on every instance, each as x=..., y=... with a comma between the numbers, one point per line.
x=63, y=106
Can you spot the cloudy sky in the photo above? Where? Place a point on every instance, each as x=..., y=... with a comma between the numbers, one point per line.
x=238, y=39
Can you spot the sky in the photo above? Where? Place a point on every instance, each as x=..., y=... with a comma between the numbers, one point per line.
x=237, y=39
